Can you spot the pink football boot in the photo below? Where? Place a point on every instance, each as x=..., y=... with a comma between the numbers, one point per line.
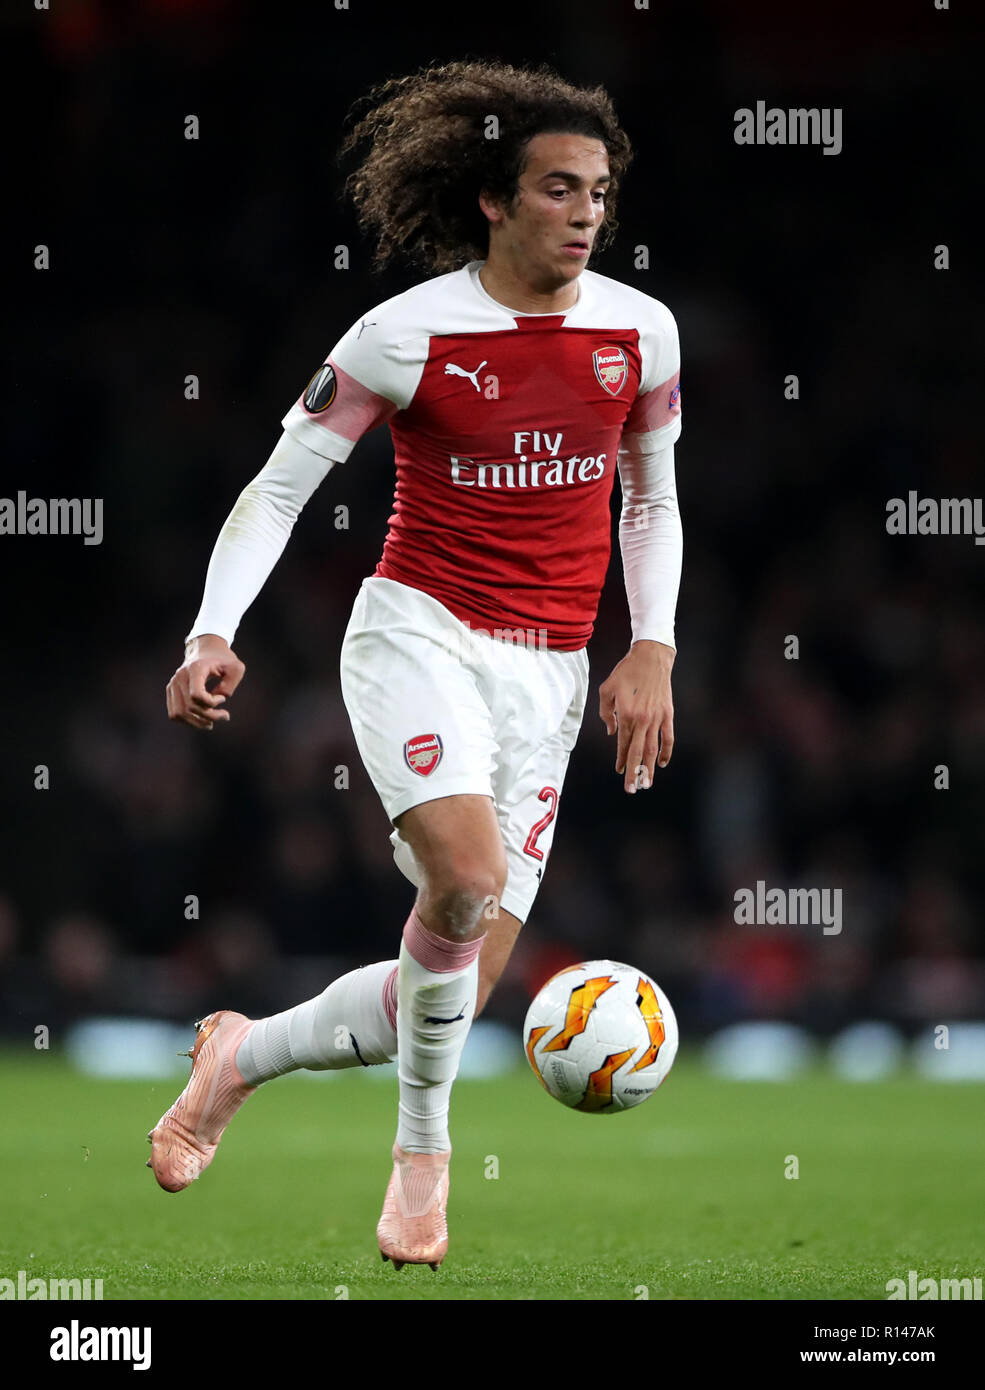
x=412, y=1229
x=185, y=1138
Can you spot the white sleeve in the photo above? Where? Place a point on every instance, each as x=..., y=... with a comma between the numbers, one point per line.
x=255, y=533
x=372, y=372
x=650, y=538
x=655, y=416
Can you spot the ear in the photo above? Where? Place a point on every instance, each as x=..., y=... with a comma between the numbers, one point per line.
x=492, y=209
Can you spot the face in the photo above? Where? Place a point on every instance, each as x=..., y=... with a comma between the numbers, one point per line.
x=548, y=233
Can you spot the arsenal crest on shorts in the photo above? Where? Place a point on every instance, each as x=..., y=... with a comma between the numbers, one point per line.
x=422, y=754
x=611, y=368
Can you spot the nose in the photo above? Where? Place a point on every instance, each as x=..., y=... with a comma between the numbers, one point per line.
x=585, y=211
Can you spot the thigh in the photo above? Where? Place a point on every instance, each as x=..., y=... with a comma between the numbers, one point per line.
x=422, y=727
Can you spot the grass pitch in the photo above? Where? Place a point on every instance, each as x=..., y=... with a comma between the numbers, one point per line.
x=684, y=1198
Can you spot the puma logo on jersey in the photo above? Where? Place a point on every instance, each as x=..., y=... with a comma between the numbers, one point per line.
x=451, y=369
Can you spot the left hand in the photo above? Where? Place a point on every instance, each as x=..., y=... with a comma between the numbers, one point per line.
x=636, y=702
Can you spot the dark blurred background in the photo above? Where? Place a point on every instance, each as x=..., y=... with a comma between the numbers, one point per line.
x=216, y=257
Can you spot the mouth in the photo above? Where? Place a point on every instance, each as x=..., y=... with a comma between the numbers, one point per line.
x=576, y=248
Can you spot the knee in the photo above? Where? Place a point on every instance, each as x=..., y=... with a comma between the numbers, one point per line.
x=462, y=900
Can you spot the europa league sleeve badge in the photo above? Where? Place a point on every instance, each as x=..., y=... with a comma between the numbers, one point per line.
x=320, y=391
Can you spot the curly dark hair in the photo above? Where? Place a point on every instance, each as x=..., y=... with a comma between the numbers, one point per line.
x=416, y=190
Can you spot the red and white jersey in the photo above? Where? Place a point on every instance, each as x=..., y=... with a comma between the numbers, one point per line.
x=506, y=432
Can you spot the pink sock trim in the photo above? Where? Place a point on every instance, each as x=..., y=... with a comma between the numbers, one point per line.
x=434, y=952
x=390, y=997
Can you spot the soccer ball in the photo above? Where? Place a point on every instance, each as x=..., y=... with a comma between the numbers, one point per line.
x=600, y=1037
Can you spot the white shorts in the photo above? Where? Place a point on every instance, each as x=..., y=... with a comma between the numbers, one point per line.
x=439, y=709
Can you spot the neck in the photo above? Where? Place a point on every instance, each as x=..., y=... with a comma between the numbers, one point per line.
x=514, y=291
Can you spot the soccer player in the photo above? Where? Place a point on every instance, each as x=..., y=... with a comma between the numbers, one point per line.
x=515, y=383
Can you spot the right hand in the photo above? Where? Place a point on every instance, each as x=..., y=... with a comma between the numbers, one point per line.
x=189, y=700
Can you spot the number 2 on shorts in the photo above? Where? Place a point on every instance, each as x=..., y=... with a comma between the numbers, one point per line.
x=530, y=847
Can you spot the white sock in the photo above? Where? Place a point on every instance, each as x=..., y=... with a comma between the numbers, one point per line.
x=352, y=1023
x=437, y=984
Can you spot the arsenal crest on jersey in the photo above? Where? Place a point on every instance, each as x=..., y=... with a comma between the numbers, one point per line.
x=611, y=368
x=422, y=754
